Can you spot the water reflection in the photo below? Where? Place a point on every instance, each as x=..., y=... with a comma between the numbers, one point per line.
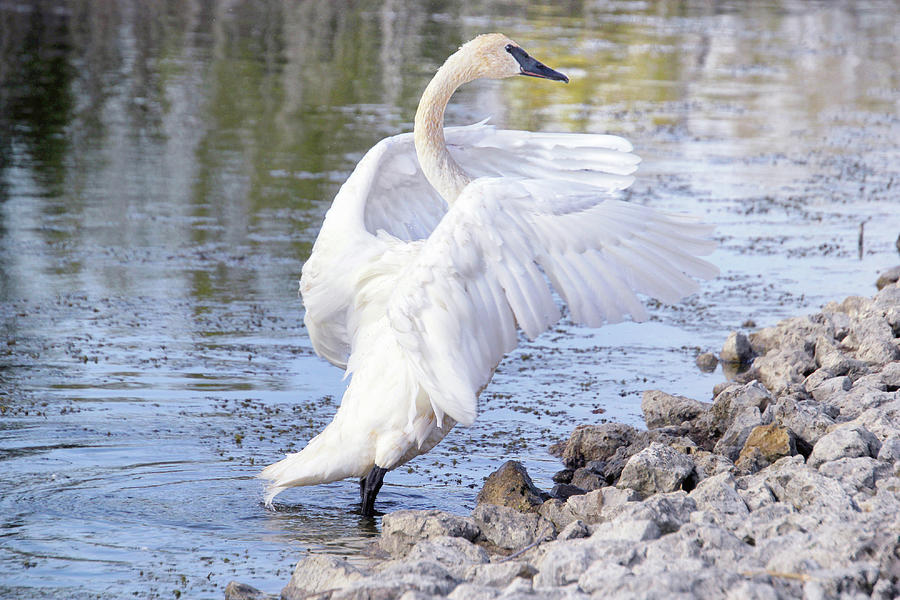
x=164, y=167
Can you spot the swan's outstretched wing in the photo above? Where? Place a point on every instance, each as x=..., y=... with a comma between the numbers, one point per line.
x=482, y=272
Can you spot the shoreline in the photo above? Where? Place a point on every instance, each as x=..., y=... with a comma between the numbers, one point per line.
x=786, y=485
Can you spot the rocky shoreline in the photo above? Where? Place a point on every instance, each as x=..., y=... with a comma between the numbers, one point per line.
x=786, y=485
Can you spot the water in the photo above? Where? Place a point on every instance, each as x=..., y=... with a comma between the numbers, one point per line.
x=163, y=170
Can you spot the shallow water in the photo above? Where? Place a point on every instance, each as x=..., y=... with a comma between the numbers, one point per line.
x=163, y=170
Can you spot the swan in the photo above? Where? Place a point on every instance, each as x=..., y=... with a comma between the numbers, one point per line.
x=443, y=243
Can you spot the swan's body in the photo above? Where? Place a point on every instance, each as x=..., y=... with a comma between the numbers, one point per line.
x=436, y=249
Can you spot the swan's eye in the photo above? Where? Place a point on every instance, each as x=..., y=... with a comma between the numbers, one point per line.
x=509, y=47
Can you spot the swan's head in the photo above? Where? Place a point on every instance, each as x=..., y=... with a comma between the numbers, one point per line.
x=495, y=56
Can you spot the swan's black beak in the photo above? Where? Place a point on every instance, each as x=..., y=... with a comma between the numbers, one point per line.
x=533, y=68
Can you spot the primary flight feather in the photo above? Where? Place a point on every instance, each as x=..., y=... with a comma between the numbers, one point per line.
x=442, y=243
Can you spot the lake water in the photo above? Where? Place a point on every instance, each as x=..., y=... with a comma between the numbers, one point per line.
x=164, y=167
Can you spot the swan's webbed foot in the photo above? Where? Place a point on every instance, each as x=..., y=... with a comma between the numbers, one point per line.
x=368, y=489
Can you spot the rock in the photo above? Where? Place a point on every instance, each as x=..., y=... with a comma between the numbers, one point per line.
x=828, y=356
x=661, y=409
x=669, y=511
x=844, y=442
x=783, y=370
x=508, y=528
x=600, y=573
x=732, y=441
x=735, y=399
x=241, y=591
x=637, y=530
x=403, y=529
x=499, y=574
x=564, y=475
x=707, y=362
x=557, y=512
x=564, y=490
x=883, y=421
x=828, y=389
x=470, y=591
x=564, y=562
x=596, y=442
x=736, y=349
x=793, y=482
x=765, y=445
x=808, y=420
x=317, y=573
x=707, y=464
x=890, y=450
x=704, y=545
x=574, y=530
x=856, y=474
x=657, y=468
x=872, y=339
x=889, y=276
x=397, y=578
x=587, y=480
x=718, y=495
x=511, y=486
x=588, y=507
x=755, y=492
x=455, y=554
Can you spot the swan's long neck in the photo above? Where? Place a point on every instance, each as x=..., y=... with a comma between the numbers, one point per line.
x=444, y=174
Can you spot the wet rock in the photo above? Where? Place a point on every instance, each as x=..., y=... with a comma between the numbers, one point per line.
x=765, y=445
x=241, y=591
x=596, y=442
x=707, y=362
x=889, y=276
x=661, y=409
x=657, y=468
x=718, y=495
x=511, y=486
x=844, y=442
x=736, y=349
x=499, y=574
x=319, y=573
x=564, y=490
x=508, y=528
x=564, y=475
x=403, y=529
x=453, y=553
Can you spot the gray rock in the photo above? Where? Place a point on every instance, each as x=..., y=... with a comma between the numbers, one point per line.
x=587, y=480
x=588, y=507
x=657, y=468
x=403, y=529
x=669, y=511
x=453, y=553
x=564, y=562
x=637, y=530
x=755, y=492
x=707, y=362
x=707, y=464
x=471, y=591
x=661, y=409
x=861, y=398
x=828, y=389
x=600, y=573
x=718, y=494
x=732, y=441
x=734, y=399
x=736, y=349
x=828, y=356
x=751, y=590
x=596, y=442
x=558, y=512
x=241, y=591
x=511, y=486
x=574, y=530
x=884, y=420
x=856, y=474
x=671, y=585
x=808, y=420
x=707, y=545
x=890, y=450
x=318, y=573
x=844, y=442
x=499, y=574
x=793, y=482
x=890, y=375
x=508, y=528
x=398, y=577
x=783, y=370
x=872, y=339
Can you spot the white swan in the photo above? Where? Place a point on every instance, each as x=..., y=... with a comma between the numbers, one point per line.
x=441, y=243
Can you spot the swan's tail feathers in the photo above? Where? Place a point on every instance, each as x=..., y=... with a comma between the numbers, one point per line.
x=320, y=462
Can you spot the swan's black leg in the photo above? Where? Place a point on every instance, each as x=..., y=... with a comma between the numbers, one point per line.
x=368, y=489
